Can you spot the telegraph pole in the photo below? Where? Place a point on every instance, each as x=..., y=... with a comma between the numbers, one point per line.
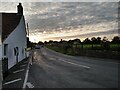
x=119, y=18
x=27, y=30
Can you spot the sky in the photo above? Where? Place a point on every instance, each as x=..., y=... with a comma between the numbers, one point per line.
x=68, y=20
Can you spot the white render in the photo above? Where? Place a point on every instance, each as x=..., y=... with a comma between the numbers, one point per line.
x=16, y=39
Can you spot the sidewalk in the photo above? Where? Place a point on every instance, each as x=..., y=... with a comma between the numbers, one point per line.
x=16, y=76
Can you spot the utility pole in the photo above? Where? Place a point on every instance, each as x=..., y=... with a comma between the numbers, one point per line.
x=119, y=18
x=27, y=30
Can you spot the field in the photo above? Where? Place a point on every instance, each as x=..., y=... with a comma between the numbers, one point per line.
x=86, y=49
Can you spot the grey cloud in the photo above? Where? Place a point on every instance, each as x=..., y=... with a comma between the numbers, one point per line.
x=59, y=0
x=62, y=15
x=109, y=32
x=58, y=16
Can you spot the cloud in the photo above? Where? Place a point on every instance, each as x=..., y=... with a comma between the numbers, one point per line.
x=70, y=14
x=93, y=34
x=59, y=0
x=86, y=17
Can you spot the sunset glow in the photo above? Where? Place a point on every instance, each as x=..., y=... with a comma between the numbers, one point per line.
x=77, y=32
x=60, y=20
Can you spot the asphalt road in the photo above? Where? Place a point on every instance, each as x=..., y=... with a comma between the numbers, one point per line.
x=54, y=70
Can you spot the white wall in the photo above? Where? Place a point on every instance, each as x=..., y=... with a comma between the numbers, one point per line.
x=16, y=39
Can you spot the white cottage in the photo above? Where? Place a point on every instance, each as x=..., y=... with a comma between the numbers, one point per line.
x=14, y=39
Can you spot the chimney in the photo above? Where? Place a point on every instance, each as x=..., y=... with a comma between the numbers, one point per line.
x=20, y=9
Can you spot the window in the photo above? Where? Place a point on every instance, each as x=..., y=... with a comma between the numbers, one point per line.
x=5, y=49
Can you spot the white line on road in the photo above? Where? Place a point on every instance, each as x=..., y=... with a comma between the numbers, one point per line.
x=23, y=65
x=25, y=62
x=44, y=53
x=29, y=85
x=19, y=71
x=12, y=81
x=52, y=58
x=26, y=76
x=74, y=64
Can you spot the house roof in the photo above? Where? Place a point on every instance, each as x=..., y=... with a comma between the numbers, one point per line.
x=9, y=22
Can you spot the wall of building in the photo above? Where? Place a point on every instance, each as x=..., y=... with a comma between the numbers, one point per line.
x=16, y=39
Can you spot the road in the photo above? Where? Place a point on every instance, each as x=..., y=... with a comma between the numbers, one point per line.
x=54, y=70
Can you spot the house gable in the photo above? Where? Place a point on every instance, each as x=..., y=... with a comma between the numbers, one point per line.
x=9, y=22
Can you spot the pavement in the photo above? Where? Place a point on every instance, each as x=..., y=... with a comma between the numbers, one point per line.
x=16, y=76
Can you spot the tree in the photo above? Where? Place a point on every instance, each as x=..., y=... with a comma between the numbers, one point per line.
x=70, y=41
x=105, y=43
x=116, y=40
x=77, y=40
x=45, y=42
x=98, y=40
x=94, y=40
x=87, y=41
x=40, y=43
x=105, y=39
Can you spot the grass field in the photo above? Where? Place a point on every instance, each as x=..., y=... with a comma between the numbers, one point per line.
x=75, y=49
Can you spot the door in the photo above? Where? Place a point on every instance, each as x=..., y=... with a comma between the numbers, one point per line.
x=5, y=61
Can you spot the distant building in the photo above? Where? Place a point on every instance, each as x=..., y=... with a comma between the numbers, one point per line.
x=14, y=39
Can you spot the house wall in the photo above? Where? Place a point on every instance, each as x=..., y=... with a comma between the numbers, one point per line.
x=16, y=39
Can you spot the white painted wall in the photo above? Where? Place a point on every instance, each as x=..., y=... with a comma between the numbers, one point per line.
x=16, y=39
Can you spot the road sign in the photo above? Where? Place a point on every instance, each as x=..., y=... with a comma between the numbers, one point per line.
x=16, y=51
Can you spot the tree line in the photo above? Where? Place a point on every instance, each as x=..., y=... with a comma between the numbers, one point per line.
x=94, y=43
x=93, y=40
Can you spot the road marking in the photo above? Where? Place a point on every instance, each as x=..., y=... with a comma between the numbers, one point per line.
x=52, y=58
x=44, y=53
x=74, y=64
x=26, y=62
x=26, y=76
x=23, y=65
x=29, y=85
x=12, y=81
x=19, y=71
